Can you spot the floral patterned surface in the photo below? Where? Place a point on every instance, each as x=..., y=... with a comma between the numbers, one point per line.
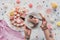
x=49, y=8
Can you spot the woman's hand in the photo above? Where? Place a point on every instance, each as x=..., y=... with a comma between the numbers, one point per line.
x=27, y=32
x=34, y=20
x=44, y=23
x=47, y=33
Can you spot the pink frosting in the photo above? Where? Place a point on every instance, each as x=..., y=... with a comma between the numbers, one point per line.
x=8, y=34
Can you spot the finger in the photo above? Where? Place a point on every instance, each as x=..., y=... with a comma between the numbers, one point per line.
x=29, y=32
x=30, y=20
x=41, y=26
x=41, y=15
x=43, y=18
x=28, y=28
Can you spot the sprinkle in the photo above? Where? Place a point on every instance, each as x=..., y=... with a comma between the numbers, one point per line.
x=43, y=1
x=1, y=9
x=51, y=19
x=58, y=24
x=46, y=5
x=15, y=13
x=14, y=24
x=18, y=1
x=21, y=23
x=11, y=13
x=48, y=10
x=2, y=3
x=30, y=5
x=11, y=17
x=54, y=5
x=18, y=25
x=15, y=17
x=58, y=13
x=5, y=12
x=39, y=7
x=18, y=15
x=18, y=21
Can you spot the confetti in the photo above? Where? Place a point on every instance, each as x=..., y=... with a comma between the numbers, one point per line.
x=48, y=11
x=18, y=1
x=54, y=5
x=11, y=13
x=2, y=3
x=51, y=20
x=58, y=24
x=11, y=17
x=39, y=7
x=43, y=1
x=30, y=5
x=46, y=5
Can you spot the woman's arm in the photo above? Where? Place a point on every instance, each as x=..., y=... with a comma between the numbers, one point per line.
x=27, y=32
x=46, y=31
x=48, y=35
x=44, y=28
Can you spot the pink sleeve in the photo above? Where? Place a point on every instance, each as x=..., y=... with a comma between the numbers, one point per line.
x=8, y=34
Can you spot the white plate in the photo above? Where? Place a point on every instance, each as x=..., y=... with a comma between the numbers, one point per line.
x=6, y=18
x=28, y=24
